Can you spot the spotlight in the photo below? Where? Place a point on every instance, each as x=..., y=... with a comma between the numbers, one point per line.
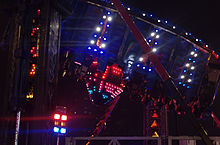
x=141, y=59
x=154, y=49
x=95, y=50
x=186, y=33
x=184, y=85
x=98, y=29
x=166, y=21
x=95, y=35
x=189, y=80
x=192, y=68
x=149, y=69
x=138, y=65
x=89, y=48
x=92, y=42
x=190, y=74
x=187, y=65
x=101, y=52
x=152, y=34
x=144, y=14
x=195, y=55
x=103, y=45
x=180, y=83
x=188, y=87
x=109, y=19
x=174, y=27
x=109, y=13
x=104, y=39
x=182, y=76
x=104, y=17
x=190, y=59
x=197, y=40
x=156, y=30
x=129, y=9
x=107, y=25
x=149, y=40
x=158, y=21
x=101, y=23
x=157, y=36
x=192, y=52
x=144, y=67
x=155, y=43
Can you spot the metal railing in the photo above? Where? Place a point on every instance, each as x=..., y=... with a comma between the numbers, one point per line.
x=183, y=140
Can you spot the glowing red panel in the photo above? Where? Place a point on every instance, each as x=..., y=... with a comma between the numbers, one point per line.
x=64, y=117
x=56, y=116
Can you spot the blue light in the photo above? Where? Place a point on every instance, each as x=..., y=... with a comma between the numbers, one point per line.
x=190, y=59
x=90, y=92
x=149, y=40
x=89, y=48
x=104, y=96
x=99, y=91
x=108, y=13
x=101, y=23
x=95, y=49
x=191, y=74
x=144, y=67
x=200, y=40
x=180, y=83
x=138, y=65
x=94, y=86
x=188, y=87
x=156, y=30
x=184, y=85
x=155, y=43
x=107, y=25
x=166, y=22
x=56, y=129
x=105, y=38
x=195, y=49
x=151, y=15
x=190, y=34
x=63, y=130
x=95, y=35
x=94, y=90
x=101, y=52
x=184, y=70
x=149, y=69
x=194, y=61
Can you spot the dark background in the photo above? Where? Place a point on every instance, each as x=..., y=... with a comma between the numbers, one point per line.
x=201, y=18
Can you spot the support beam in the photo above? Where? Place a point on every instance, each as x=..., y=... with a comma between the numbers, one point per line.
x=160, y=69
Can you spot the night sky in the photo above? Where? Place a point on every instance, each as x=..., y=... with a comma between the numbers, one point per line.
x=199, y=17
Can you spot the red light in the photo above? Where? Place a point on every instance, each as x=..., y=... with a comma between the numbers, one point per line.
x=56, y=116
x=96, y=75
x=64, y=117
x=32, y=34
x=35, y=55
x=38, y=11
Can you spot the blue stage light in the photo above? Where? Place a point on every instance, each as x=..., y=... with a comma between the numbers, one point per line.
x=63, y=130
x=194, y=61
x=180, y=83
x=184, y=70
x=166, y=22
x=105, y=38
x=107, y=25
x=56, y=129
x=191, y=74
x=149, y=69
x=95, y=35
x=101, y=23
x=144, y=67
x=101, y=52
x=108, y=13
x=149, y=40
x=190, y=59
x=184, y=85
x=138, y=65
x=95, y=50
x=89, y=48
x=156, y=43
x=188, y=87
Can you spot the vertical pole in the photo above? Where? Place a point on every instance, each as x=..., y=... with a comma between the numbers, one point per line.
x=18, y=119
x=58, y=139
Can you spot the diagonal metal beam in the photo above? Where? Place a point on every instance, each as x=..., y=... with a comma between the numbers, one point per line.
x=160, y=69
